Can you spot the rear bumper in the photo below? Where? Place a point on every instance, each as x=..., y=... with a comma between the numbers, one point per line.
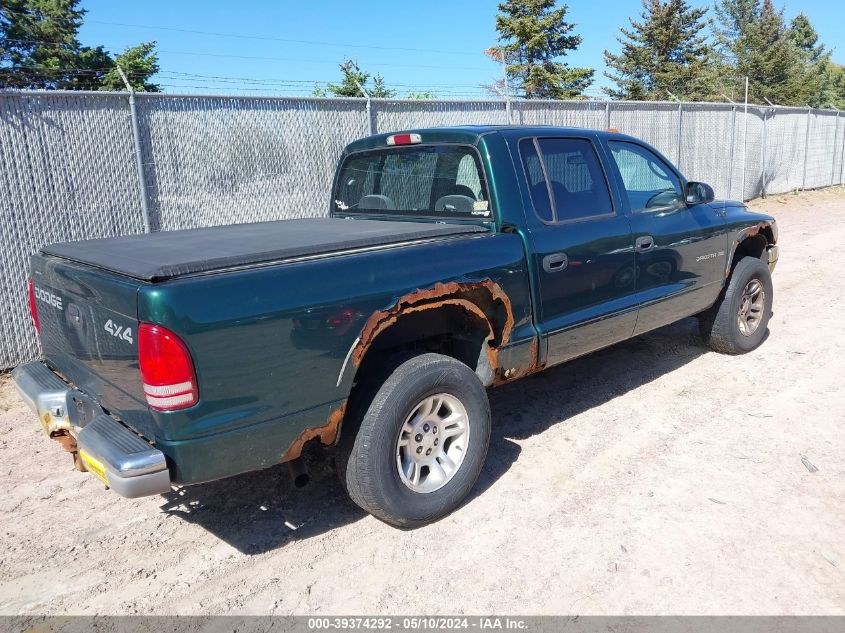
x=123, y=460
x=773, y=253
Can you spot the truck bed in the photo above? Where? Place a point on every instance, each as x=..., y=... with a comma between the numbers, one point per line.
x=170, y=254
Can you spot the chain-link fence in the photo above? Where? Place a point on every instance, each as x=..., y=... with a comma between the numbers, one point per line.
x=69, y=165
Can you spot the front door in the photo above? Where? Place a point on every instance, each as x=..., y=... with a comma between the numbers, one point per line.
x=583, y=254
x=680, y=249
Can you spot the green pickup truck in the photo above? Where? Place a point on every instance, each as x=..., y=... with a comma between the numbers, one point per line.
x=452, y=260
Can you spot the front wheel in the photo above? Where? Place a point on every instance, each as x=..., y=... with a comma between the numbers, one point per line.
x=421, y=443
x=738, y=321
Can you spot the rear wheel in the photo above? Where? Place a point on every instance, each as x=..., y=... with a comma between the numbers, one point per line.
x=421, y=443
x=738, y=321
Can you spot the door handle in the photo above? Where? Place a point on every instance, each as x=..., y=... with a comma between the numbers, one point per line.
x=644, y=243
x=555, y=262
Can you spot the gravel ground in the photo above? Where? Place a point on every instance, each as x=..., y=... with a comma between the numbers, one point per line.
x=653, y=477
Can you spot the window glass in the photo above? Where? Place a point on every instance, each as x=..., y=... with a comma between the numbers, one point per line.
x=648, y=181
x=468, y=175
x=536, y=180
x=436, y=180
x=578, y=185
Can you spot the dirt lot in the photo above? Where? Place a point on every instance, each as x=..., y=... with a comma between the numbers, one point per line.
x=652, y=477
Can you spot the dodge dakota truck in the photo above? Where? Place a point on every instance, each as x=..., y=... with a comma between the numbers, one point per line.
x=452, y=260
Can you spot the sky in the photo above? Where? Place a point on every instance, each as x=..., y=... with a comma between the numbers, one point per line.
x=286, y=47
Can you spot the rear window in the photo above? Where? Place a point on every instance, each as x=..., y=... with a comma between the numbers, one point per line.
x=434, y=180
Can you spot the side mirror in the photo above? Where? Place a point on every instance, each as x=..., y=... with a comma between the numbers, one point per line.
x=699, y=193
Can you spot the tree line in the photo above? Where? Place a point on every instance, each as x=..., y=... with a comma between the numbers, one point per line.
x=670, y=50
x=674, y=50
x=40, y=49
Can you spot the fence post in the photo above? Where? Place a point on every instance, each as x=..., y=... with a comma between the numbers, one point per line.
x=680, y=132
x=139, y=159
x=370, y=123
x=607, y=115
x=731, y=159
x=763, y=158
x=744, y=142
x=841, y=160
x=835, y=141
x=806, y=149
x=680, y=129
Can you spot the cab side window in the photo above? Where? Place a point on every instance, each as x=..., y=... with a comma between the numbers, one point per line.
x=649, y=183
x=566, y=179
x=537, y=186
x=579, y=188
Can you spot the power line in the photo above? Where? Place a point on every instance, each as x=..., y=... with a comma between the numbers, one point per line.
x=317, y=61
x=271, y=38
x=288, y=40
x=280, y=59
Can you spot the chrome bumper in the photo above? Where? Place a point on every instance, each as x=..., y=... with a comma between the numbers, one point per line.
x=773, y=253
x=123, y=460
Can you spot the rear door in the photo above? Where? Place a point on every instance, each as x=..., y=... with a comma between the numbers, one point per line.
x=680, y=249
x=583, y=255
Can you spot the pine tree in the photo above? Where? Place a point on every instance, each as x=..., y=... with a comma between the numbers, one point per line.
x=814, y=84
x=832, y=91
x=806, y=38
x=533, y=35
x=353, y=80
x=667, y=52
x=39, y=48
x=138, y=63
x=755, y=42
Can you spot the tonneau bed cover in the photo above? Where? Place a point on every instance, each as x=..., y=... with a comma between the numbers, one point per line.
x=169, y=254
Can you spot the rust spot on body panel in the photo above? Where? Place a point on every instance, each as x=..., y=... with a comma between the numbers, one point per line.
x=327, y=433
x=473, y=296
x=503, y=376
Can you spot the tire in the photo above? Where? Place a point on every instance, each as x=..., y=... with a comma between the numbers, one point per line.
x=720, y=326
x=369, y=460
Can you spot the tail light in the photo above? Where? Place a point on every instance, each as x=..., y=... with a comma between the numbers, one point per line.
x=33, y=310
x=167, y=370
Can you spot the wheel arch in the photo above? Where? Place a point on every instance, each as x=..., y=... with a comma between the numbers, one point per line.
x=468, y=321
x=752, y=241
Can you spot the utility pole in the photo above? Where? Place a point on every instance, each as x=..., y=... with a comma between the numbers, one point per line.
x=139, y=159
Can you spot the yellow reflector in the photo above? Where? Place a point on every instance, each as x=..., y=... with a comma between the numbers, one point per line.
x=95, y=466
x=612, y=129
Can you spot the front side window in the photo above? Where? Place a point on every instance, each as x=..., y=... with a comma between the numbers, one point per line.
x=649, y=183
x=431, y=181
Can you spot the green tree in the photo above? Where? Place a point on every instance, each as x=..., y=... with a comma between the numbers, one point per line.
x=833, y=87
x=667, y=52
x=754, y=41
x=354, y=79
x=39, y=48
x=814, y=85
x=533, y=35
x=806, y=38
x=421, y=95
x=138, y=63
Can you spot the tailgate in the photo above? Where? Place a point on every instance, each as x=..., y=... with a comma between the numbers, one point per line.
x=89, y=326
